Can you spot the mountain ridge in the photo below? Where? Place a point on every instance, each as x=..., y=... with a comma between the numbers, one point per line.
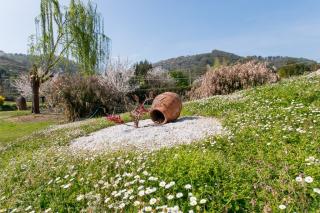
x=198, y=63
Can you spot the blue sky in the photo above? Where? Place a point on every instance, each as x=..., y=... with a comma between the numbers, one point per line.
x=160, y=29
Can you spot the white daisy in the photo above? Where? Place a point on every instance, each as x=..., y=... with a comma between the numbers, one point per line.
x=136, y=203
x=179, y=195
x=107, y=200
x=80, y=197
x=308, y=179
x=282, y=207
x=170, y=197
x=316, y=190
x=299, y=179
x=203, y=201
x=141, y=193
x=188, y=186
x=193, y=203
x=148, y=208
x=152, y=201
x=162, y=184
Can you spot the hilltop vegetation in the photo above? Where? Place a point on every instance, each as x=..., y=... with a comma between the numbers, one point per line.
x=197, y=64
x=13, y=65
x=267, y=162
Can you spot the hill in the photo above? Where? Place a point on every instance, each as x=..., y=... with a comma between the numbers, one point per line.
x=198, y=63
x=12, y=65
x=268, y=161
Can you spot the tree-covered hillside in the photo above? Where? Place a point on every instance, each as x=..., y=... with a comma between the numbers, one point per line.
x=12, y=65
x=198, y=63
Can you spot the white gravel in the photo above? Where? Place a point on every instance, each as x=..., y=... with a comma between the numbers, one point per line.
x=149, y=136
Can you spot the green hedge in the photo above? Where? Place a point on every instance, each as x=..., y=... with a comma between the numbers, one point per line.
x=296, y=69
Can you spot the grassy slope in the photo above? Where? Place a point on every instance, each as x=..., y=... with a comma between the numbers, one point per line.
x=273, y=129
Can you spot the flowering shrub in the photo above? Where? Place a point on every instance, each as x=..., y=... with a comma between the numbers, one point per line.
x=1, y=100
x=81, y=96
x=227, y=79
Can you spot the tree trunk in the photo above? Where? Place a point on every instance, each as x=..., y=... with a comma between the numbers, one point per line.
x=35, y=85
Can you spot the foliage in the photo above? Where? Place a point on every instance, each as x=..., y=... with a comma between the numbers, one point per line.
x=76, y=31
x=157, y=80
x=293, y=69
x=119, y=74
x=180, y=78
x=81, y=97
x=228, y=79
x=22, y=84
x=158, y=77
x=141, y=70
x=89, y=46
x=197, y=64
x=279, y=61
x=1, y=100
x=267, y=160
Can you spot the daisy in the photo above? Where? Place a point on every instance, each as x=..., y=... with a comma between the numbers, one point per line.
x=122, y=205
x=162, y=184
x=80, y=197
x=170, y=197
x=188, y=186
x=308, y=179
x=141, y=193
x=203, y=201
x=148, y=208
x=152, y=201
x=193, y=203
x=282, y=207
x=107, y=200
x=299, y=179
x=179, y=195
x=136, y=203
x=316, y=190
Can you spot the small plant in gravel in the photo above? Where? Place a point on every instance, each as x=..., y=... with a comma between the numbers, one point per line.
x=140, y=109
x=136, y=114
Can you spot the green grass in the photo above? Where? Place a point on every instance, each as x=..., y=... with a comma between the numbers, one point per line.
x=272, y=133
x=13, y=103
x=10, y=131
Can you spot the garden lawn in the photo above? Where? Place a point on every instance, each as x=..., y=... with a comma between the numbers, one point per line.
x=12, y=130
x=268, y=162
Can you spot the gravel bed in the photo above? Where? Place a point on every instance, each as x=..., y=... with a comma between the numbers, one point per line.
x=149, y=136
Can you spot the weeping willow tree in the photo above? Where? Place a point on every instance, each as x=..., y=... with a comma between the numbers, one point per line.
x=74, y=33
x=86, y=29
